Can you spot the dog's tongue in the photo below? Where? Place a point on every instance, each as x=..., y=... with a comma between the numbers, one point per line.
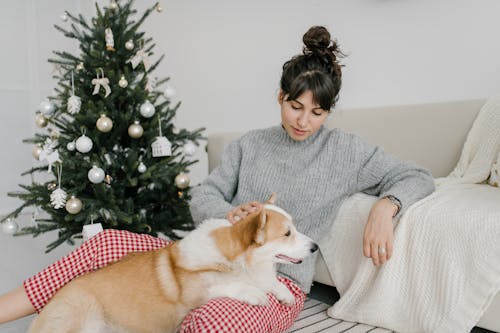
x=287, y=258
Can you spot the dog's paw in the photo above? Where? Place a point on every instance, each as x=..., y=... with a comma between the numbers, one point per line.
x=283, y=295
x=253, y=297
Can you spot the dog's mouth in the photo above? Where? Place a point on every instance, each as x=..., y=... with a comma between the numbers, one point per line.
x=289, y=259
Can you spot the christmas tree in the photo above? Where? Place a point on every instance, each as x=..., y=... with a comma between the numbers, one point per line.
x=107, y=136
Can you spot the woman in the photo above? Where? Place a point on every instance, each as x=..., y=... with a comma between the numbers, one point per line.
x=312, y=169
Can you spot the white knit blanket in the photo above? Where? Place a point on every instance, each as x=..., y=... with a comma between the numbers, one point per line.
x=445, y=270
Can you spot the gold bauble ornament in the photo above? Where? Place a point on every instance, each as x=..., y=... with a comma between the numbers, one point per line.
x=104, y=124
x=40, y=120
x=182, y=181
x=74, y=205
x=35, y=152
x=135, y=130
x=123, y=83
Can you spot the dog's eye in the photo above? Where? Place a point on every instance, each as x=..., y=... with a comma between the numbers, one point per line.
x=288, y=233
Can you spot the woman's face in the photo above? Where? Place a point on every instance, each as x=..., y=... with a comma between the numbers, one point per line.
x=301, y=117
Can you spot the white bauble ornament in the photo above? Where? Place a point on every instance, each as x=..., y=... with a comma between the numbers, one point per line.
x=64, y=17
x=189, y=148
x=123, y=82
x=113, y=5
x=159, y=8
x=129, y=45
x=135, y=130
x=147, y=109
x=84, y=144
x=96, y=175
x=74, y=205
x=46, y=106
x=35, y=152
x=104, y=123
x=141, y=168
x=71, y=146
x=175, y=130
x=9, y=227
x=169, y=92
x=182, y=181
x=40, y=120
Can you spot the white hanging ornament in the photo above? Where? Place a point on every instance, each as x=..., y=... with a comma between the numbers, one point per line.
x=159, y=8
x=74, y=102
x=161, y=146
x=129, y=45
x=64, y=17
x=71, y=146
x=101, y=81
x=35, y=152
x=40, y=120
x=46, y=107
x=123, y=83
x=96, y=175
x=175, y=130
x=84, y=144
x=110, y=42
x=141, y=168
x=58, y=197
x=135, y=130
x=104, y=123
x=9, y=227
x=182, y=181
x=147, y=109
x=74, y=205
x=189, y=148
x=140, y=56
x=49, y=153
x=170, y=92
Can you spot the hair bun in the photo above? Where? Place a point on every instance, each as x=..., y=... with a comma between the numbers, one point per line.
x=317, y=38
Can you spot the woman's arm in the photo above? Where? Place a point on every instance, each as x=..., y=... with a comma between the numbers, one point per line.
x=212, y=198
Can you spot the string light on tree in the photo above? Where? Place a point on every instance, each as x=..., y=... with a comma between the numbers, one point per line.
x=104, y=123
x=74, y=205
x=135, y=130
x=80, y=67
x=113, y=5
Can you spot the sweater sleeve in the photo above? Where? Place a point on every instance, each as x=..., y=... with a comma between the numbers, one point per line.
x=382, y=174
x=212, y=198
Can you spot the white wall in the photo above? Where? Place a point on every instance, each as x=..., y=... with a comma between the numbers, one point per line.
x=224, y=58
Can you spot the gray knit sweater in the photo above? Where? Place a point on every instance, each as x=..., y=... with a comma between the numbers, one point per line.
x=311, y=178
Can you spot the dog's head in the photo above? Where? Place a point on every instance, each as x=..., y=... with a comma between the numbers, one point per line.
x=266, y=235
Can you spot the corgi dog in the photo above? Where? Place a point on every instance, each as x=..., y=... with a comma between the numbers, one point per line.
x=153, y=291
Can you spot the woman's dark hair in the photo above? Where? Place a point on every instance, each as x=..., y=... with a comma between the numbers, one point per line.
x=317, y=69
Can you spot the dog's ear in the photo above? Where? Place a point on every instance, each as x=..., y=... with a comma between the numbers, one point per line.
x=271, y=199
x=260, y=236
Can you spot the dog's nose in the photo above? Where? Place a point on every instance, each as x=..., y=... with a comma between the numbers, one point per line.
x=314, y=247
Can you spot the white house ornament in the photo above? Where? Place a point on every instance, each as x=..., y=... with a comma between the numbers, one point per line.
x=46, y=107
x=147, y=109
x=96, y=175
x=74, y=205
x=84, y=144
x=129, y=45
x=182, y=181
x=40, y=120
x=9, y=227
x=161, y=147
x=110, y=42
x=135, y=130
x=189, y=148
x=99, y=82
x=123, y=83
x=104, y=123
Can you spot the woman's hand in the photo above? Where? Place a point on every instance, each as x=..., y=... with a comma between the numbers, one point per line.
x=243, y=210
x=378, y=238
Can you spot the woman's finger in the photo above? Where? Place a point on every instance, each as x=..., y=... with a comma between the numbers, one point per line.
x=374, y=253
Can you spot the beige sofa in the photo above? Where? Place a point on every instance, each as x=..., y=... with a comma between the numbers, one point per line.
x=429, y=134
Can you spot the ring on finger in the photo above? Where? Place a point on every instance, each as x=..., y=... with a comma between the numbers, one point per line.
x=381, y=250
